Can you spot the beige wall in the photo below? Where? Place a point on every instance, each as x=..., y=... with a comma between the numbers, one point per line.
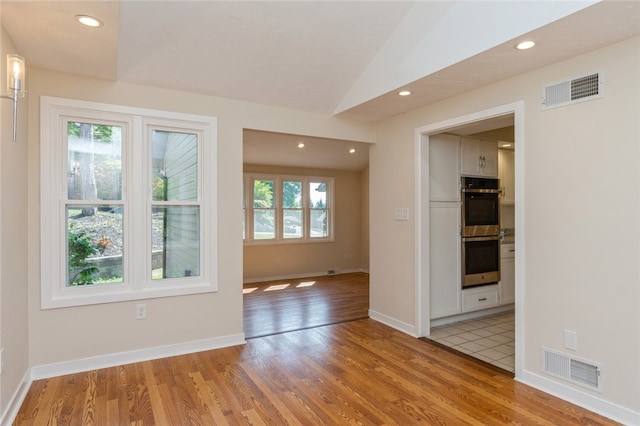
x=72, y=333
x=13, y=240
x=344, y=254
x=580, y=234
x=364, y=233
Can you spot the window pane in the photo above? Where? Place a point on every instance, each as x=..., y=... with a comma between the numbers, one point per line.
x=263, y=191
x=94, y=158
x=292, y=223
x=264, y=224
x=319, y=226
x=291, y=195
x=94, y=244
x=176, y=242
x=319, y=223
x=317, y=195
x=175, y=166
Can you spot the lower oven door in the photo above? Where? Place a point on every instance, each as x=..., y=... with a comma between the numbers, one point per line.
x=480, y=261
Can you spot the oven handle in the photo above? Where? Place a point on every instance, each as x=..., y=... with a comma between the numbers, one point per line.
x=490, y=238
x=481, y=191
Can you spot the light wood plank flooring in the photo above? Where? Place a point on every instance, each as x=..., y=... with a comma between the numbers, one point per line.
x=285, y=305
x=358, y=372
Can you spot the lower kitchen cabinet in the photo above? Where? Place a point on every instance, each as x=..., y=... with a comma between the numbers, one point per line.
x=477, y=298
x=444, y=259
x=507, y=274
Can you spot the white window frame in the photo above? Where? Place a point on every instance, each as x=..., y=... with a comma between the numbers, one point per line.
x=248, y=180
x=138, y=123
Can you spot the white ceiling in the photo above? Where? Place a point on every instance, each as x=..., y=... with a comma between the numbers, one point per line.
x=345, y=58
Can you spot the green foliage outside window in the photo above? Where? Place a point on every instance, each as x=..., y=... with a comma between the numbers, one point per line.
x=81, y=247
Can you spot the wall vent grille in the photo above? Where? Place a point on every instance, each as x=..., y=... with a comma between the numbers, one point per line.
x=572, y=91
x=579, y=371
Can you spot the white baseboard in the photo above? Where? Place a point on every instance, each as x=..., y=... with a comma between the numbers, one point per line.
x=112, y=360
x=471, y=315
x=304, y=275
x=590, y=402
x=10, y=413
x=402, y=326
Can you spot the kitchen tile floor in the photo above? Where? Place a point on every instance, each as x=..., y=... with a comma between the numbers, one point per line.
x=490, y=339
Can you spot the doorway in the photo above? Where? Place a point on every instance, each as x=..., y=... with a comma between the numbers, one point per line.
x=305, y=230
x=480, y=123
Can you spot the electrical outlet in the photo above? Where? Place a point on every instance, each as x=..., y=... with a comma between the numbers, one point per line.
x=141, y=311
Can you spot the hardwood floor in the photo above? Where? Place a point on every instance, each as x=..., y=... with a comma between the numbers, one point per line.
x=285, y=305
x=358, y=372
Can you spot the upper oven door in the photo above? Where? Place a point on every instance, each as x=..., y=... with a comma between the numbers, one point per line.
x=480, y=213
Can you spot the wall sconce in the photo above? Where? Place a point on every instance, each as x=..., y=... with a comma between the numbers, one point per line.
x=15, y=85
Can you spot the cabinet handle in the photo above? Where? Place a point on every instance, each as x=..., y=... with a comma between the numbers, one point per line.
x=482, y=299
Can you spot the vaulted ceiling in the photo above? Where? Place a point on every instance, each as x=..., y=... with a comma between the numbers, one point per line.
x=343, y=58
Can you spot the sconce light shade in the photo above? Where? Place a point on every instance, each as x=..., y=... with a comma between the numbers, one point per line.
x=16, y=87
x=16, y=75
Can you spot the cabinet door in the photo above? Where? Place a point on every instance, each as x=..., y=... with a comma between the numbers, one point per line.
x=444, y=259
x=489, y=158
x=506, y=175
x=470, y=157
x=444, y=172
x=507, y=281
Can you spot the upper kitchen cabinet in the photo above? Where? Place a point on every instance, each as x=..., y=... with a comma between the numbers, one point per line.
x=479, y=157
x=444, y=168
x=506, y=175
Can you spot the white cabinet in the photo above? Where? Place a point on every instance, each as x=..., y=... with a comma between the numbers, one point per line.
x=507, y=274
x=477, y=298
x=444, y=168
x=479, y=157
x=507, y=176
x=444, y=259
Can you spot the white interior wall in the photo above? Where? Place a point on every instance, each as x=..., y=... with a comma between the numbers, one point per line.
x=580, y=207
x=13, y=240
x=61, y=335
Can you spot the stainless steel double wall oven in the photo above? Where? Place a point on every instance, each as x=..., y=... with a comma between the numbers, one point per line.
x=480, y=231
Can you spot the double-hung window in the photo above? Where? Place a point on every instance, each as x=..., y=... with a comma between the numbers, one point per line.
x=287, y=209
x=127, y=203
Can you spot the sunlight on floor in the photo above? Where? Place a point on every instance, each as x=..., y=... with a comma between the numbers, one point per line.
x=306, y=284
x=277, y=287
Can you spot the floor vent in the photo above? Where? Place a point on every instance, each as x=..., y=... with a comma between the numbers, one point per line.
x=575, y=370
x=572, y=91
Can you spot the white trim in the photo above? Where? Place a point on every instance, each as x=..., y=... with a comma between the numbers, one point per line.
x=471, y=315
x=129, y=357
x=303, y=275
x=402, y=326
x=585, y=400
x=137, y=124
x=13, y=407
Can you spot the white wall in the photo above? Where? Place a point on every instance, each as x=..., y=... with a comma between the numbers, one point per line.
x=581, y=234
x=13, y=239
x=60, y=335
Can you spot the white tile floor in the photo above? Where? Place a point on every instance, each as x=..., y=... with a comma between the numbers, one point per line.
x=490, y=338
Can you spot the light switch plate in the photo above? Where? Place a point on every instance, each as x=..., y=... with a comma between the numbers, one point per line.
x=571, y=340
x=401, y=213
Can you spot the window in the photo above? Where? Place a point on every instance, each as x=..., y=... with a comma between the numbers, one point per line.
x=287, y=209
x=126, y=205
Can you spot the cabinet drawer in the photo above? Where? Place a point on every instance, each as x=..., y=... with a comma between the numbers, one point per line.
x=507, y=251
x=479, y=298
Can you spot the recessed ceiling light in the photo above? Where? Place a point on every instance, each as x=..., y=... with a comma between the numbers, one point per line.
x=404, y=93
x=89, y=21
x=300, y=145
x=525, y=45
x=352, y=150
